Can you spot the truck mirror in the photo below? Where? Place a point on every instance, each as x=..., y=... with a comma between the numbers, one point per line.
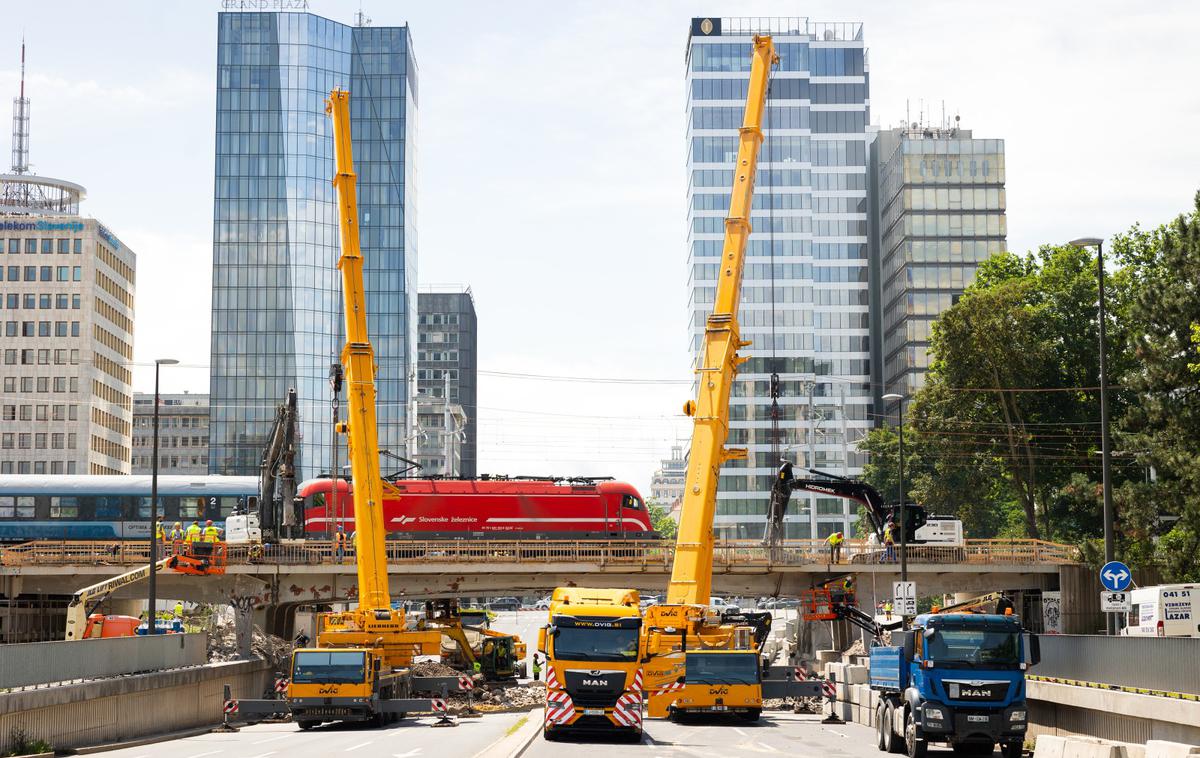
x=1035, y=649
x=681, y=679
x=541, y=643
x=375, y=664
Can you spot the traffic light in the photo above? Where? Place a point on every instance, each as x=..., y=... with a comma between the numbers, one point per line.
x=914, y=518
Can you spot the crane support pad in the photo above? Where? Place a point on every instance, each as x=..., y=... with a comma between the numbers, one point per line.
x=778, y=688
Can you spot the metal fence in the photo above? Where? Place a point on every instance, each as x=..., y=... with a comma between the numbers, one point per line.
x=32, y=663
x=634, y=554
x=1167, y=664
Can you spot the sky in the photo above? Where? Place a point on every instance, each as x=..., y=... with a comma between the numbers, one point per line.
x=551, y=170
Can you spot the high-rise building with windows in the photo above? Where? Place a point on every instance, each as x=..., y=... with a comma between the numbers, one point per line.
x=447, y=367
x=66, y=305
x=182, y=433
x=276, y=301
x=940, y=211
x=804, y=295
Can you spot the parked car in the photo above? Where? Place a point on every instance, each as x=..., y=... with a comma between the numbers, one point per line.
x=648, y=600
x=505, y=604
x=542, y=605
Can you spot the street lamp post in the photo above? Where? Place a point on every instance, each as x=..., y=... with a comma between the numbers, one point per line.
x=151, y=625
x=1105, y=447
x=903, y=509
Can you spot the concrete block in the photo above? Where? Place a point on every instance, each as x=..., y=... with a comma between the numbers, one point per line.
x=828, y=656
x=1083, y=747
x=1049, y=746
x=1164, y=749
x=1136, y=751
x=855, y=674
x=837, y=669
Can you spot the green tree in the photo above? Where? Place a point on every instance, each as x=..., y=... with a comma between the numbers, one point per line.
x=1012, y=389
x=1162, y=429
x=660, y=519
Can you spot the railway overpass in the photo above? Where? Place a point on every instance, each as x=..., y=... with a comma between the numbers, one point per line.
x=309, y=573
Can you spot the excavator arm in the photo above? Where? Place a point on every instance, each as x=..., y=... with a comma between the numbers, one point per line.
x=277, y=472
x=851, y=489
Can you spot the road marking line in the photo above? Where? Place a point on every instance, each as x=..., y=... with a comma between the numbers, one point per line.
x=739, y=731
x=410, y=753
x=210, y=752
x=263, y=755
x=356, y=747
x=272, y=739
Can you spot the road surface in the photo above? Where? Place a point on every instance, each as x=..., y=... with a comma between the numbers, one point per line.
x=411, y=738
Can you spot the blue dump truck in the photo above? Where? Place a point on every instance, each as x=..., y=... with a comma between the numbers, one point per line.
x=953, y=678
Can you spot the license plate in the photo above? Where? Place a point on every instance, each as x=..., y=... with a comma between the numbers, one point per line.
x=593, y=712
x=977, y=719
x=719, y=708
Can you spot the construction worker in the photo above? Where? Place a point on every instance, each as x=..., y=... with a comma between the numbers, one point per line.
x=887, y=609
x=176, y=535
x=537, y=667
x=179, y=609
x=193, y=533
x=889, y=546
x=339, y=543
x=835, y=547
x=476, y=666
x=211, y=533
x=848, y=585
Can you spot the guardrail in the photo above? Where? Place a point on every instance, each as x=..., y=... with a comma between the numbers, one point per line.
x=644, y=554
x=1158, y=664
x=31, y=663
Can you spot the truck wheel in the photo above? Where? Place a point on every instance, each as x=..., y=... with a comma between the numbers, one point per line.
x=881, y=741
x=750, y=715
x=306, y=725
x=548, y=735
x=1012, y=749
x=891, y=741
x=914, y=744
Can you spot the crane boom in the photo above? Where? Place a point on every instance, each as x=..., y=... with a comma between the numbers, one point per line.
x=362, y=440
x=691, y=573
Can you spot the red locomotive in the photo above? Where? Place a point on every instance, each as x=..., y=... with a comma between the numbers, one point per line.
x=497, y=508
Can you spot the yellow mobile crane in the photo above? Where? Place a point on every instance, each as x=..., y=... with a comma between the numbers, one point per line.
x=715, y=656
x=359, y=669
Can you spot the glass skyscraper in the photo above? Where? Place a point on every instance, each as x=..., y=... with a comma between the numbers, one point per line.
x=276, y=300
x=941, y=202
x=804, y=296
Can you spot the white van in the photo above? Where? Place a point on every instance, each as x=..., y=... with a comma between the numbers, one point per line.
x=243, y=529
x=1166, y=610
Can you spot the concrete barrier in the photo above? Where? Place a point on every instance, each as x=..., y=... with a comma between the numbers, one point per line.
x=112, y=710
x=43, y=662
x=1164, y=749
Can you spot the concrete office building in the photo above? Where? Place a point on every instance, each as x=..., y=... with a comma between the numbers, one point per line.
x=447, y=372
x=804, y=296
x=940, y=211
x=66, y=303
x=182, y=434
x=276, y=303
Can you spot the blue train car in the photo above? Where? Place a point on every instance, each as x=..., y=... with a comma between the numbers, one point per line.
x=73, y=507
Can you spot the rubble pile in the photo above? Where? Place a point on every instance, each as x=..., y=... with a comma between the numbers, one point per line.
x=222, y=645
x=433, y=668
x=496, y=697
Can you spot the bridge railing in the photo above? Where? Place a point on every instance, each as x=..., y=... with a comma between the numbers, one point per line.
x=727, y=554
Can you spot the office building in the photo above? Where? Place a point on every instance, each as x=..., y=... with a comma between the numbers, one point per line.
x=66, y=302
x=940, y=211
x=666, y=486
x=182, y=433
x=440, y=437
x=276, y=300
x=804, y=295
x=447, y=366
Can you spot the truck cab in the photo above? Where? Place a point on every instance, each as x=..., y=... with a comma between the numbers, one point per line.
x=593, y=663
x=338, y=684
x=719, y=682
x=957, y=679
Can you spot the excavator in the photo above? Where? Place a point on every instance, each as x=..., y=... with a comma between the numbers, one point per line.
x=879, y=514
x=500, y=656
x=360, y=669
x=700, y=659
x=194, y=559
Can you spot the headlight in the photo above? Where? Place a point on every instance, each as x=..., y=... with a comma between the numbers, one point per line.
x=937, y=714
x=1017, y=716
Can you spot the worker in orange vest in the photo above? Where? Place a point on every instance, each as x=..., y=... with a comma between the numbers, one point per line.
x=339, y=543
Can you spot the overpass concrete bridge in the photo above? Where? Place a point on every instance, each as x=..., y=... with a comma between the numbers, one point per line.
x=308, y=573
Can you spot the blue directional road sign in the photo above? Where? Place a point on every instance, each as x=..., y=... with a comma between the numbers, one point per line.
x=1115, y=576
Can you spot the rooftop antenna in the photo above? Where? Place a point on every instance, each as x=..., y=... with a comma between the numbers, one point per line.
x=20, y=143
x=360, y=18
x=944, y=123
